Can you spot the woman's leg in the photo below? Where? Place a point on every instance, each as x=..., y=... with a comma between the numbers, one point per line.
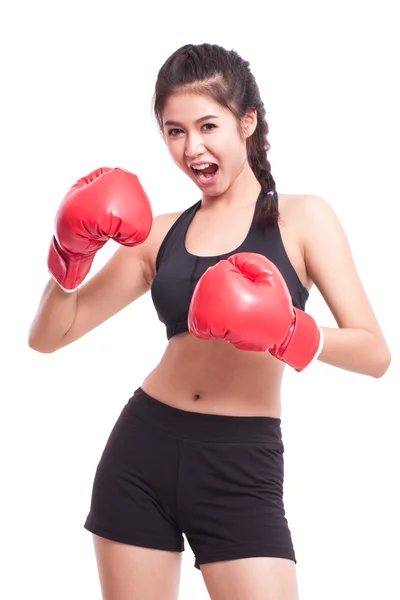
x=258, y=578
x=129, y=572
x=132, y=515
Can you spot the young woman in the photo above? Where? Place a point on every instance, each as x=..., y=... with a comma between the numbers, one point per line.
x=198, y=448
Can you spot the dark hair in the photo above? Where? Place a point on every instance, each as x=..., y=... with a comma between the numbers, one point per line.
x=226, y=77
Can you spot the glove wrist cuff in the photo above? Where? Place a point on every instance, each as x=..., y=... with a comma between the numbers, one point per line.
x=306, y=342
x=68, y=273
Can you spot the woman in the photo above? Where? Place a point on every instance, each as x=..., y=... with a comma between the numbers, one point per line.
x=198, y=448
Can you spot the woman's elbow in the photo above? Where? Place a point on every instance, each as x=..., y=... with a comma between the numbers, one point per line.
x=382, y=363
x=40, y=347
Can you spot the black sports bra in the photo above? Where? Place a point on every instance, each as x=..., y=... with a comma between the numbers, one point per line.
x=178, y=271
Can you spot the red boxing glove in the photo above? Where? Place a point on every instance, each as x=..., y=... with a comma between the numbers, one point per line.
x=245, y=301
x=107, y=204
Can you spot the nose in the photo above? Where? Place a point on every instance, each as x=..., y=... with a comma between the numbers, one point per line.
x=194, y=146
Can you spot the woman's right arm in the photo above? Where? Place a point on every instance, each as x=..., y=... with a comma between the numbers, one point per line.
x=64, y=317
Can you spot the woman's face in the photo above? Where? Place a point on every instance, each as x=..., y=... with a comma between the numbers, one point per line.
x=200, y=132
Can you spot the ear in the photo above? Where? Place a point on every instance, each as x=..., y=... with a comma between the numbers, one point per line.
x=249, y=122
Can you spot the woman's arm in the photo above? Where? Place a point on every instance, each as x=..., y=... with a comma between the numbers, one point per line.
x=358, y=344
x=54, y=316
x=63, y=318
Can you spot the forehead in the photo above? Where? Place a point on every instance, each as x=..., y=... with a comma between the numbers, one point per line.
x=187, y=107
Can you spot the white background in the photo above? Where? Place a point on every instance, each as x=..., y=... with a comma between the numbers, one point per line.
x=77, y=81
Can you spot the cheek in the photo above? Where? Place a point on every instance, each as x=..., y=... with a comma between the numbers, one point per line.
x=232, y=156
x=175, y=151
x=230, y=147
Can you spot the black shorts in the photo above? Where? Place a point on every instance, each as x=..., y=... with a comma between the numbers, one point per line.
x=218, y=479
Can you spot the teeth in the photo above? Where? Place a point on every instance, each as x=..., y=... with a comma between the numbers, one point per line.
x=202, y=166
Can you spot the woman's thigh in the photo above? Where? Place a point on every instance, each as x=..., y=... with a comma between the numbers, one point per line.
x=258, y=578
x=129, y=572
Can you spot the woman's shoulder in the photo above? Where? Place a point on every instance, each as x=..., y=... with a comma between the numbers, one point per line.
x=162, y=222
x=303, y=211
x=299, y=203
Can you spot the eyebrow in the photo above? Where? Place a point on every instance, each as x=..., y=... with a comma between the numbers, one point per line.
x=197, y=120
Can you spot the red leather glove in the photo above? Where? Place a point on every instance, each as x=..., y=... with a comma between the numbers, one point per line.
x=245, y=301
x=107, y=204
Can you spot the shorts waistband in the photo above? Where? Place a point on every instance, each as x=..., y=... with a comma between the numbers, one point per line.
x=204, y=426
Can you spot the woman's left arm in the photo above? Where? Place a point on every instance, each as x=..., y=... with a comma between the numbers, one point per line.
x=358, y=344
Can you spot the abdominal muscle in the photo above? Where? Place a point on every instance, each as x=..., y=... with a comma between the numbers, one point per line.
x=214, y=377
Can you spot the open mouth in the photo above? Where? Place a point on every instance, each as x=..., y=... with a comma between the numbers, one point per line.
x=206, y=173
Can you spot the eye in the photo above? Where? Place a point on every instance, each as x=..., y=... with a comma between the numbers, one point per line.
x=209, y=125
x=171, y=132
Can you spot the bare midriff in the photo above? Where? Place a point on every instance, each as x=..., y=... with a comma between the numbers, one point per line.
x=213, y=376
